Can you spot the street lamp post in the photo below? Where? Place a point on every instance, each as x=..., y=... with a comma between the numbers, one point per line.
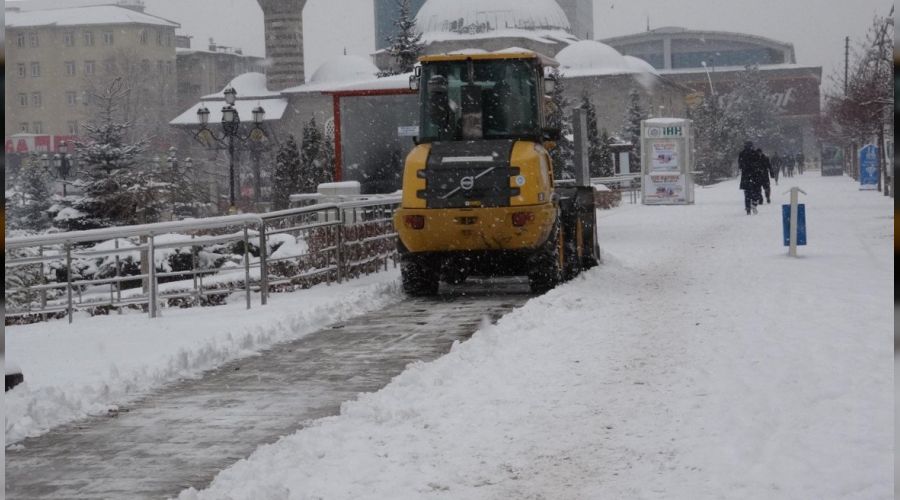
x=61, y=162
x=231, y=124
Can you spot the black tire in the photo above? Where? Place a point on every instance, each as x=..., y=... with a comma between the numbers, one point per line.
x=454, y=276
x=546, y=265
x=419, y=274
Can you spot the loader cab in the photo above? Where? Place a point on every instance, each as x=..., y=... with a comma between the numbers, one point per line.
x=484, y=97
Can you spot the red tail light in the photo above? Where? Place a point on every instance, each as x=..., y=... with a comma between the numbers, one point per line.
x=519, y=219
x=414, y=221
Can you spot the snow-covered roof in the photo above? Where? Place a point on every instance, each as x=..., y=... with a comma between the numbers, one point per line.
x=455, y=15
x=338, y=72
x=80, y=16
x=640, y=65
x=591, y=55
x=248, y=86
x=548, y=36
x=274, y=107
x=764, y=67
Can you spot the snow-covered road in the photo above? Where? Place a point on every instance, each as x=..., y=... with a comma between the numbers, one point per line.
x=698, y=362
x=184, y=433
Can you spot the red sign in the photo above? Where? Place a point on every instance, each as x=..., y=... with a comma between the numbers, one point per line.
x=32, y=143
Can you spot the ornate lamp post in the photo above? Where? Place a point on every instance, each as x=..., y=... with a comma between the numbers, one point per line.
x=231, y=124
x=61, y=162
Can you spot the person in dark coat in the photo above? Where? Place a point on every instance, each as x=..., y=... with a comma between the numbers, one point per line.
x=801, y=160
x=776, y=166
x=766, y=170
x=751, y=166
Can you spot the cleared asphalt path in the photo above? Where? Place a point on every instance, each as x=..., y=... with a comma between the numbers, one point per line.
x=184, y=434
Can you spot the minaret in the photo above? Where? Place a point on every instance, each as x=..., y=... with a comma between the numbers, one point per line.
x=284, y=42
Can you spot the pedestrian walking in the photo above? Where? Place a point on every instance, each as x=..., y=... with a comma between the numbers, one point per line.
x=800, y=162
x=789, y=165
x=765, y=167
x=776, y=166
x=751, y=167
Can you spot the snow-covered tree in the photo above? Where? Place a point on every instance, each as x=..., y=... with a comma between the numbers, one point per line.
x=311, y=171
x=605, y=165
x=598, y=149
x=30, y=198
x=559, y=118
x=717, y=140
x=287, y=173
x=631, y=131
x=406, y=44
x=119, y=186
x=755, y=114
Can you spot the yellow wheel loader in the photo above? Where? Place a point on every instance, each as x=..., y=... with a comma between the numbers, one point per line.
x=479, y=193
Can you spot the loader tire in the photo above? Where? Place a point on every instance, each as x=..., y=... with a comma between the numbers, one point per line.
x=547, y=264
x=419, y=274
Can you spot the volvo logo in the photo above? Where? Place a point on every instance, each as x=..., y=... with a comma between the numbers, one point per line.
x=467, y=182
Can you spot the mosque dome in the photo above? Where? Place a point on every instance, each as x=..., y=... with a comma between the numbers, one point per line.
x=593, y=55
x=464, y=16
x=639, y=65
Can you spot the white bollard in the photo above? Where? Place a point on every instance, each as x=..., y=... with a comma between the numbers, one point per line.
x=795, y=197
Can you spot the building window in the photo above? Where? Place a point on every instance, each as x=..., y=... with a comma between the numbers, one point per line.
x=89, y=38
x=70, y=68
x=35, y=99
x=107, y=38
x=109, y=65
x=23, y=127
x=20, y=40
x=33, y=39
x=168, y=40
x=69, y=39
x=144, y=37
x=73, y=127
x=35, y=69
x=170, y=67
x=159, y=37
x=89, y=67
x=71, y=98
x=23, y=100
x=38, y=128
x=23, y=72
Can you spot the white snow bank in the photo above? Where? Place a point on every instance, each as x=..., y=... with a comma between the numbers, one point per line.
x=699, y=361
x=96, y=363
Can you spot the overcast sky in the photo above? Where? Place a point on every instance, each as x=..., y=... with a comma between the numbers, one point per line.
x=816, y=27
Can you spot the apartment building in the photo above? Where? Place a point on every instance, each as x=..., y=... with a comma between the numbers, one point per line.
x=57, y=58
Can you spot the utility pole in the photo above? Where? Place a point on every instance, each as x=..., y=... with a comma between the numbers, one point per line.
x=846, y=62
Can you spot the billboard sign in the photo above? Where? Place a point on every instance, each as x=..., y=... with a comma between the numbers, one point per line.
x=868, y=167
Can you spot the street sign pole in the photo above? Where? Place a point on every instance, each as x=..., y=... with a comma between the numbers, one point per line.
x=795, y=198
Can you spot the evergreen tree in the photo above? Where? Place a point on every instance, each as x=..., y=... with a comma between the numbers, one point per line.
x=119, y=186
x=595, y=149
x=755, y=114
x=287, y=174
x=717, y=140
x=30, y=198
x=563, y=155
x=631, y=132
x=327, y=159
x=406, y=44
x=605, y=165
x=310, y=158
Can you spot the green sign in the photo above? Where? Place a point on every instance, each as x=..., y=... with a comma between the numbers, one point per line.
x=672, y=131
